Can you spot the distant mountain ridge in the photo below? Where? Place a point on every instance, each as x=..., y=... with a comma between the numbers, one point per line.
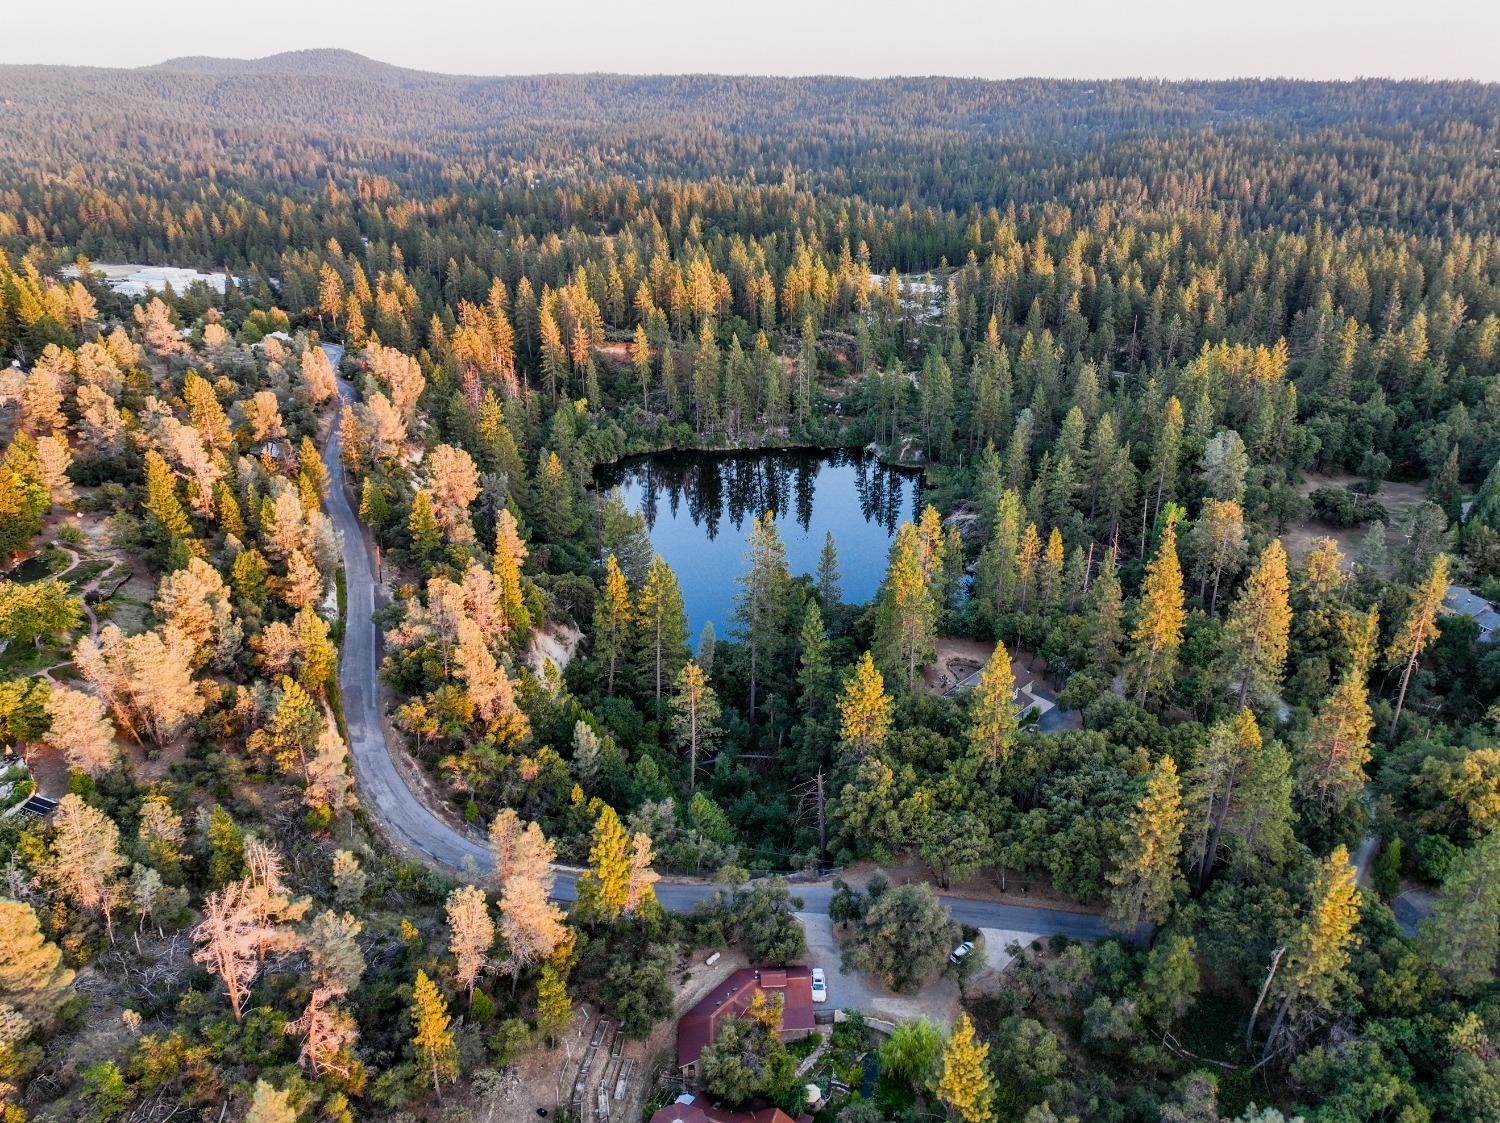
x=335, y=96
x=315, y=62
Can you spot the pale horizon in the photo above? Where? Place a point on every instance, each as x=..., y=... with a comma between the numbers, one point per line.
x=1315, y=40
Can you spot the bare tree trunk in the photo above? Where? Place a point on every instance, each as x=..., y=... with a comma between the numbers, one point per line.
x=693, y=746
x=1264, y=990
x=1411, y=665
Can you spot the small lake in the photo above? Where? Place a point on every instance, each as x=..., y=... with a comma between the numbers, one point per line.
x=699, y=507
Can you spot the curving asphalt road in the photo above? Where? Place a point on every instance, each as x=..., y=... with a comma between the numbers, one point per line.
x=385, y=794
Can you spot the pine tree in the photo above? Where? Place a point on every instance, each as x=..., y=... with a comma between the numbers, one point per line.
x=964, y=1086
x=1462, y=937
x=995, y=724
x=828, y=574
x=1214, y=786
x=1315, y=970
x=1050, y=583
x=1258, y=629
x=270, y=902
x=24, y=500
x=554, y=1009
x=1028, y=566
x=79, y=728
x=32, y=976
x=814, y=670
x=1418, y=630
x=226, y=843
x=161, y=504
x=161, y=835
x=1259, y=823
x=471, y=933
x=906, y=611
x=510, y=596
x=453, y=482
x=695, y=718
x=423, y=528
x=603, y=889
x=762, y=603
x=1106, y=613
x=270, y=1105
x=1157, y=634
x=1166, y=453
x=640, y=891
x=864, y=710
x=1332, y=763
x=611, y=619
x=329, y=1034
x=290, y=732
x=661, y=627
x=640, y=360
x=807, y=373
x=995, y=577
x=84, y=860
x=520, y=851
x=531, y=925
x=228, y=940
x=433, y=1040
x=706, y=380
x=1147, y=876
x=1217, y=543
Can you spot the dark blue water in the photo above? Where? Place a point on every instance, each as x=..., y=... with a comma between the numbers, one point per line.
x=699, y=507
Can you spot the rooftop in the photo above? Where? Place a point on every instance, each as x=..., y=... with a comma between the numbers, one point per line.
x=696, y=1109
x=732, y=997
x=1465, y=602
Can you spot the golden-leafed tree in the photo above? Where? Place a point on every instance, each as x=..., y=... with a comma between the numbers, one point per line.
x=1315, y=969
x=1147, y=877
x=963, y=1085
x=1418, y=630
x=995, y=723
x=604, y=888
x=433, y=1040
x=80, y=729
x=1157, y=633
x=1258, y=629
x=84, y=860
x=471, y=934
x=695, y=717
x=611, y=620
x=864, y=709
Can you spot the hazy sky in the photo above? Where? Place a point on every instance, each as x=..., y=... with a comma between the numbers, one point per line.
x=999, y=38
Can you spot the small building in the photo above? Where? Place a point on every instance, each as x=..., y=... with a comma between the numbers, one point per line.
x=732, y=998
x=1459, y=601
x=695, y=1109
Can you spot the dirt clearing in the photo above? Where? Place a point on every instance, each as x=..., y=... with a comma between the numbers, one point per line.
x=1397, y=498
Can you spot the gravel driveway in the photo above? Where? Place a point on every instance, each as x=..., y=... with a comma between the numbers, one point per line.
x=937, y=1002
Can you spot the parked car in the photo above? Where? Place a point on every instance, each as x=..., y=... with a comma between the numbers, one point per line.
x=962, y=952
x=819, y=985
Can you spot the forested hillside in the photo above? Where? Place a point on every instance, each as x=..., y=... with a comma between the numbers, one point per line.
x=1203, y=381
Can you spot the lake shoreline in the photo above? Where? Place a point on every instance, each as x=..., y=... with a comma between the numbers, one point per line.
x=628, y=460
x=762, y=449
x=698, y=507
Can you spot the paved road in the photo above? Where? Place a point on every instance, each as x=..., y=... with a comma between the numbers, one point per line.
x=384, y=793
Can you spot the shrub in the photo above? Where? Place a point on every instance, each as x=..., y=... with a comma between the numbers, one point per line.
x=1338, y=506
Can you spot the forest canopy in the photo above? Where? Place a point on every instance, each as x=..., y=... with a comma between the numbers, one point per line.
x=1203, y=383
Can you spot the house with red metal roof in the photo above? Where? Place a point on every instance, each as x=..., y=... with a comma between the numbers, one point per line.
x=732, y=998
x=695, y=1109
